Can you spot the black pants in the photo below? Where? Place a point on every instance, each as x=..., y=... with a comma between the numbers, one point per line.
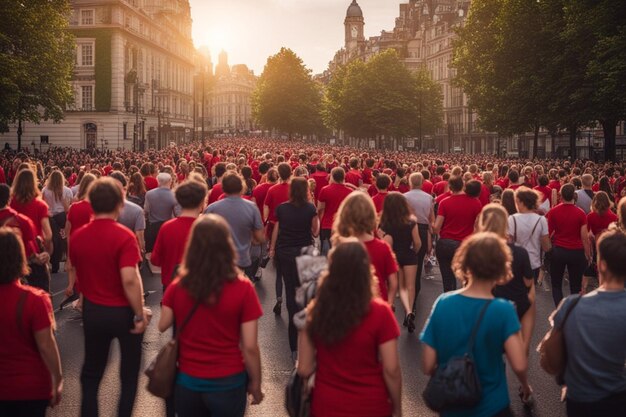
x=29, y=408
x=57, y=223
x=575, y=262
x=612, y=406
x=101, y=325
x=421, y=254
x=325, y=244
x=231, y=403
x=152, y=230
x=286, y=267
x=445, y=252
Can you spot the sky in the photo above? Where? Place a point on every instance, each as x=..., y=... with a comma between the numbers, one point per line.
x=252, y=30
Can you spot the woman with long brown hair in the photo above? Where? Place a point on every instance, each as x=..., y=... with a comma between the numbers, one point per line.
x=136, y=192
x=297, y=224
x=399, y=230
x=219, y=359
x=58, y=197
x=350, y=341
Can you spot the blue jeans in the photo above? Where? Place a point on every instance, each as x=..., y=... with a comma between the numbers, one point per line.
x=230, y=403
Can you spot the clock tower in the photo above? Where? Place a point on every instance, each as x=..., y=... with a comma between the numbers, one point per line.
x=354, y=25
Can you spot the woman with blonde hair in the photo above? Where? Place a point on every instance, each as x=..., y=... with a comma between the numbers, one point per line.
x=357, y=218
x=58, y=197
x=520, y=289
x=620, y=224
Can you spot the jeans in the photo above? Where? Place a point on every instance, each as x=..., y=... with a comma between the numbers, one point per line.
x=28, y=408
x=102, y=324
x=575, y=262
x=230, y=403
x=325, y=241
x=286, y=267
x=612, y=406
x=57, y=224
x=445, y=252
x=421, y=254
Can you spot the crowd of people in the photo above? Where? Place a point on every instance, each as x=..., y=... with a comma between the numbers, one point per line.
x=213, y=215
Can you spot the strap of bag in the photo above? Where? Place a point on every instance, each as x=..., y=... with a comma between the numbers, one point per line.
x=472, y=339
x=567, y=313
x=514, y=230
x=20, y=310
x=184, y=323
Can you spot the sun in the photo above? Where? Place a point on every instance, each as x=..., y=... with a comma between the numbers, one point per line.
x=216, y=38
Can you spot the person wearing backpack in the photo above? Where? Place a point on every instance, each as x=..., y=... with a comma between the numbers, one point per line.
x=458, y=317
x=594, y=337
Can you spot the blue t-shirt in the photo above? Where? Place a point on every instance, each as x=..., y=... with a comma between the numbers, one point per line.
x=595, y=337
x=448, y=330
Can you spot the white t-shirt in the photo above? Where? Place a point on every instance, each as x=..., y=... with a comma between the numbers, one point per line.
x=526, y=237
x=56, y=206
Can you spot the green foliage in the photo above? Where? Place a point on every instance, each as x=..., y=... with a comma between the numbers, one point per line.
x=286, y=97
x=36, y=60
x=382, y=97
x=103, y=74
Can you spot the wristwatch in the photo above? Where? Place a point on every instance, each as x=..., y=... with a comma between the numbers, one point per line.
x=137, y=319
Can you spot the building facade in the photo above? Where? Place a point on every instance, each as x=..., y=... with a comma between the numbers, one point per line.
x=133, y=78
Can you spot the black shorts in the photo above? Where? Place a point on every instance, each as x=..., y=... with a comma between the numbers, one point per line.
x=522, y=306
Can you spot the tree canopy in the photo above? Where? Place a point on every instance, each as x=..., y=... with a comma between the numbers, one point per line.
x=286, y=97
x=36, y=61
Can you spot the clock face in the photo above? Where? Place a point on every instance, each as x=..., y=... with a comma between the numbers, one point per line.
x=355, y=31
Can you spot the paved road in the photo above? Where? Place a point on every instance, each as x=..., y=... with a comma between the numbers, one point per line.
x=276, y=358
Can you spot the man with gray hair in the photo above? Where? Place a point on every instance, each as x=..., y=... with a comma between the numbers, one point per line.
x=160, y=206
x=585, y=196
x=422, y=205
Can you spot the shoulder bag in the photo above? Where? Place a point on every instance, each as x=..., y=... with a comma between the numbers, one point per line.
x=162, y=370
x=552, y=349
x=456, y=385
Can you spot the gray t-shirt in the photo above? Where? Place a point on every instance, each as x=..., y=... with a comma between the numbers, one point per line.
x=526, y=238
x=160, y=205
x=584, y=200
x=243, y=217
x=421, y=203
x=132, y=217
x=595, y=336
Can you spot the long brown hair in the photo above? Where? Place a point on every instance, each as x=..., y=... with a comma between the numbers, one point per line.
x=55, y=183
x=396, y=211
x=299, y=191
x=83, y=187
x=600, y=203
x=136, y=185
x=25, y=187
x=508, y=201
x=344, y=293
x=210, y=259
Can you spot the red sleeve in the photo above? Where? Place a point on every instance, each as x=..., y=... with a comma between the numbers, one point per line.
x=583, y=218
x=388, y=326
x=168, y=297
x=43, y=209
x=442, y=208
x=268, y=198
x=155, y=258
x=41, y=309
x=130, y=255
x=322, y=195
x=550, y=222
x=251, y=309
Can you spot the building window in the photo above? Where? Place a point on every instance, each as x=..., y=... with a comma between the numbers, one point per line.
x=86, y=55
x=125, y=130
x=87, y=97
x=86, y=17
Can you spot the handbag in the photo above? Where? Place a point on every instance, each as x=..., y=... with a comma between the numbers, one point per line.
x=552, y=349
x=298, y=396
x=456, y=384
x=162, y=370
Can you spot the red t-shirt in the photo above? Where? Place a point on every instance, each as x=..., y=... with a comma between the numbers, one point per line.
x=403, y=188
x=349, y=378
x=259, y=193
x=384, y=261
x=79, y=214
x=215, y=194
x=353, y=177
x=442, y=197
x=23, y=373
x=597, y=223
x=151, y=183
x=332, y=195
x=372, y=190
x=439, y=188
x=209, y=345
x=321, y=181
x=555, y=185
x=99, y=250
x=502, y=182
x=545, y=191
x=24, y=226
x=169, y=247
x=459, y=212
x=366, y=176
x=379, y=201
x=427, y=187
x=485, y=193
x=564, y=222
x=36, y=210
x=276, y=195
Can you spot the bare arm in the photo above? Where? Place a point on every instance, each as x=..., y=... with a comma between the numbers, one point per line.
x=266, y=212
x=258, y=235
x=546, y=243
x=438, y=224
x=393, y=288
x=429, y=359
x=315, y=226
x=47, y=346
x=167, y=318
x=306, y=355
x=46, y=230
x=321, y=206
x=391, y=373
x=133, y=289
x=141, y=240
x=584, y=236
x=273, y=240
x=516, y=355
x=417, y=242
x=252, y=358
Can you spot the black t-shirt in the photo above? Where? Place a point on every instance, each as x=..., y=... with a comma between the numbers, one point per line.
x=294, y=229
x=516, y=289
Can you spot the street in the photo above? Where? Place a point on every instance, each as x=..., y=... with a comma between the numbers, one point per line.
x=276, y=360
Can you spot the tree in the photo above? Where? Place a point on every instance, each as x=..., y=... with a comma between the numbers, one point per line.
x=286, y=97
x=36, y=62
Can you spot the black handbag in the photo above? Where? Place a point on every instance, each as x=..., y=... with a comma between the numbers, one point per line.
x=297, y=396
x=456, y=385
